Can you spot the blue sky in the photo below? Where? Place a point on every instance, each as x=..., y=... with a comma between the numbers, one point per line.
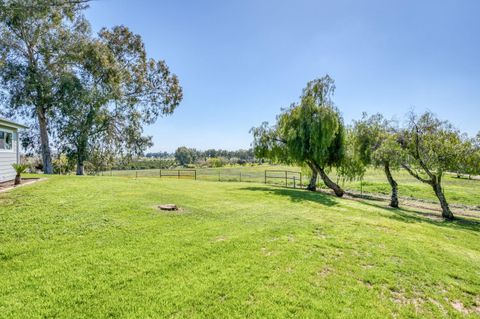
x=240, y=61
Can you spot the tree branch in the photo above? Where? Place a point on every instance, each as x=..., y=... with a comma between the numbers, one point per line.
x=414, y=174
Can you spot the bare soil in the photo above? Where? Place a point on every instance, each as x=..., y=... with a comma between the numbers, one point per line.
x=8, y=185
x=434, y=208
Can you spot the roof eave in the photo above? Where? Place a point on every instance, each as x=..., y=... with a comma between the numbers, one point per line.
x=12, y=124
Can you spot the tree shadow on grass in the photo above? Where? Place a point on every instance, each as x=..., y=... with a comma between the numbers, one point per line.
x=297, y=195
x=415, y=216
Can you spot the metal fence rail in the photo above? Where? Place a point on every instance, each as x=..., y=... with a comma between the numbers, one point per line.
x=178, y=173
x=274, y=177
x=284, y=175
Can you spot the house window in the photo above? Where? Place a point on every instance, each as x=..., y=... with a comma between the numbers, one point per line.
x=6, y=141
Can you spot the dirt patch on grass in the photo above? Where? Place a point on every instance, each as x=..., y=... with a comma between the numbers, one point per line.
x=435, y=212
x=458, y=305
x=6, y=186
x=220, y=238
x=461, y=210
x=177, y=211
x=400, y=298
x=324, y=272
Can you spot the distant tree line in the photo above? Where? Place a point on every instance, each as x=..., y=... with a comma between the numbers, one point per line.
x=212, y=157
x=312, y=133
x=159, y=155
x=186, y=157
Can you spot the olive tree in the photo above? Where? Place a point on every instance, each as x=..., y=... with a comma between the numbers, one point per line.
x=308, y=133
x=375, y=144
x=431, y=148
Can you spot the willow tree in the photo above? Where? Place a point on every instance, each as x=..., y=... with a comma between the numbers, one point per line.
x=375, y=144
x=431, y=148
x=308, y=133
x=36, y=43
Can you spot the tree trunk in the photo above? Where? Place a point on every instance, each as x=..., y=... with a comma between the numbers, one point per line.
x=446, y=212
x=44, y=141
x=312, y=186
x=81, y=154
x=436, y=183
x=80, y=168
x=18, y=180
x=82, y=142
x=330, y=184
x=80, y=162
x=393, y=185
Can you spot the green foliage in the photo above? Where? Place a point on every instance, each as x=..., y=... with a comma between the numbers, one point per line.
x=185, y=155
x=38, y=40
x=432, y=146
x=162, y=163
x=351, y=167
x=113, y=69
x=20, y=168
x=375, y=141
x=468, y=153
x=309, y=132
x=87, y=91
x=62, y=164
x=216, y=162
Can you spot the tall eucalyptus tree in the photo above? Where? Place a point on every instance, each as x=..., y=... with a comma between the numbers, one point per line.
x=110, y=92
x=36, y=40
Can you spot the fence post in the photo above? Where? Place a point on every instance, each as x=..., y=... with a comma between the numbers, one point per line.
x=286, y=182
x=294, y=186
x=178, y=174
x=195, y=174
x=136, y=174
x=240, y=177
x=160, y=173
x=300, y=180
x=265, y=176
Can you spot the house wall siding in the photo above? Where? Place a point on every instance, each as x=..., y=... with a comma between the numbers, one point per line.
x=7, y=158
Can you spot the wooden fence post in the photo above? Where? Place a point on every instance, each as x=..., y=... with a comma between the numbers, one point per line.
x=178, y=173
x=286, y=182
x=265, y=176
x=195, y=174
x=294, y=186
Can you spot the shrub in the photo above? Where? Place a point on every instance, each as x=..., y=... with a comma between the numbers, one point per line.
x=19, y=170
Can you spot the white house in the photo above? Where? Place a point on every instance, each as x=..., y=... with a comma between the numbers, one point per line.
x=9, y=148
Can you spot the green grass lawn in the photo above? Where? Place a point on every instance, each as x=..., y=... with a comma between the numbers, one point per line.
x=96, y=247
x=457, y=190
